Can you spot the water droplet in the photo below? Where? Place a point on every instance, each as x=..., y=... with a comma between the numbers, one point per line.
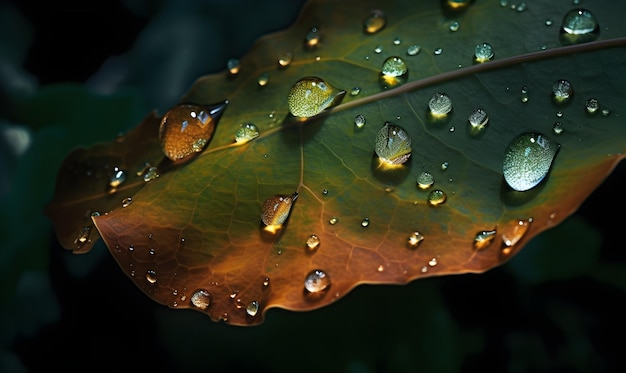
x=365, y=222
x=478, y=120
x=559, y=114
x=458, y=4
x=151, y=276
x=276, y=209
x=606, y=112
x=375, y=21
x=83, y=236
x=359, y=121
x=425, y=180
x=412, y=50
x=444, y=165
x=355, y=91
x=527, y=160
x=432, y=262
x=415, y=240
x=514, y=231
x=454, y=26
x=284, y=59
x=548, y=22
x=440, y=104
x=151, y=173
x=393, y=73
x=252, y=308
x=233, y=66
x=438, y=51
x=592, y=105
x=437, y=197
x=483, y=52
x=393, y=144
x=312, y=38
x=524, y=94
x=201, y=299
x=266, y=282
x=263, y=79
x=333, y=220
x=557, y=128
x=316, y=281
x=579, y=26
x=562, y=91
x=521, y=7
x=118, y=177
x=325, y=191
x=396, y=41
x=312, y=242
x=311, y=95
x=483, y=239
x=186, y=128
x=127, y=201
x=246, y=132
x=378, y=49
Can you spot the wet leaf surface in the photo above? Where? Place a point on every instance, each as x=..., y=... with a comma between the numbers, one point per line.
x=193, y=237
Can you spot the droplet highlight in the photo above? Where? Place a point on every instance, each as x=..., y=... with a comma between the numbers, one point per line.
x=592, y=105
x=393, y=145
x=359, y=121
x=527, y=160
x=252, y=308
x=311, y=95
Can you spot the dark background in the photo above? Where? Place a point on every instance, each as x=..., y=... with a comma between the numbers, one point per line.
x=558, y=306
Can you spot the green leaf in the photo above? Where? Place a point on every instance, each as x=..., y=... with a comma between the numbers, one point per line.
x=193, y=237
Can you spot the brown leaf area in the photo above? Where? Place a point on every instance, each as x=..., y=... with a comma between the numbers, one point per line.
x=193, y=237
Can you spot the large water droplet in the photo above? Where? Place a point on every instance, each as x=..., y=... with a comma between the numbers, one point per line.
x=579, y=26
x=276, y=210
x=393, y=72
x=483, y=239
x=233, y=66
x=201, y=299
x=187, y=128
x=393, y=144
x=440, y=104
x=425, y=180
x=562, y=91
x=375, y=21
x=252, y=308
x=437, y=197
x=246, y=132
x=483, y=52
x=316, y=281
x=311, y=95
x=527, y=160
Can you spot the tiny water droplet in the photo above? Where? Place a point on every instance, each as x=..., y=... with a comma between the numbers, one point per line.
x=252, y=308
x=483, y=239
x=375, y=21
x=527, y=160
x=562, y=91
x=397, y=41
x=524, y=94
x=312, y=242
x=454, y=26
x=438, y=51
x=83, y=236
x=559, y=114
x=284, y=59
x=311, y=95
x=425, y=180
x=415, y=240
x=393, y=72
x=263, y=79
x=393, y=144
x=333, y=220
x=521, y=7
x=592, y=105
x=127, y=201
x=437, y=197
x=548, y=22
x=579, y=26
x=355, y=91
x=359, y=121
x=201, y=299
x=325, y=191
x=557, y=128
x=483, y=52
x=151, y=173
x=233, y=66
x=606, y=112
x=316, y=281
x=432, y=262
x=187, y=128
x=440, y=104
x=514, y=231
x=312, y=38
x=412, y=50
x=378, y=49
x=478, y=120
x=276, y=209
x=118, y=177
x=141, y=170
x=266, y=282
x=365, y=222
x=246, y=132
x=151, y=276
x=444, y=165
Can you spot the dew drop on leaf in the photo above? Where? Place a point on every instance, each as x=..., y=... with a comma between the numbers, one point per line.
x=233, y=66
x=378, y=49
x=524, y=94
x=316, y=281
x=393, y=72
x=413, y=50
x=284, y=59
x=118, y=177
x=458, y=4
x=557, y=128
x=483, y=52
x=425, y=180
x=393, y=145
x=514, y=231
x=355, y=91
x=440, y=104
x=375, y=21
x=562, y=91
x=437, y=197
x=454, y=26
x=527, y=160
x=187, y=128
x=312, y=242
x=359, y=121
x=151, y=276
x=311, y=95
x=201, y=299
x=438, y=51
x=365, y=222
x=415, y=239
x=263, y=79
x=333, y=220
x=478, y=120
x=483, y=239
x=592, y=105
x=579, y=26
x=246, y=132
x=151, y=173
x=312, y=38
x=276, y=209
x=252, y=308
x=127, y=201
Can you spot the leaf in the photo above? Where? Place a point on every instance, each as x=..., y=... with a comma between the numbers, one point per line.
x=193, y=237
